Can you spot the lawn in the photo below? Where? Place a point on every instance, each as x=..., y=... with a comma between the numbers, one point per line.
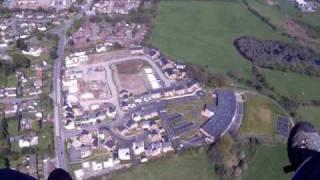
x=189, y=166
x=268, y=163
x=191, y=111
x=202, y=32
x=46, y=144
x=13, y=126
x=294, y=85
x=259, y=117
x=311, y=114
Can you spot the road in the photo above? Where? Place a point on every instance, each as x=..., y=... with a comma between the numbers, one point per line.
x=56, y=92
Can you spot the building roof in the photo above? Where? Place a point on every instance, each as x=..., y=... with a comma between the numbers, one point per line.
x=224, y=113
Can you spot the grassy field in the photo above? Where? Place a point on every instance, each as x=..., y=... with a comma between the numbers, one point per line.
x=311, y=114
x=190, y=166
x=294, y=85
x=268, y=163
x=259, y=117
x=202, y=32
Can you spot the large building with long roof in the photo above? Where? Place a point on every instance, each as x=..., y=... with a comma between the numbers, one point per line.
x=226, y=113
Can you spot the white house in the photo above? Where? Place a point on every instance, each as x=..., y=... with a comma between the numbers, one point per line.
x=138, y=147
x=33, y=52
x=136, y=50
x=124, y=154
x=28, y=142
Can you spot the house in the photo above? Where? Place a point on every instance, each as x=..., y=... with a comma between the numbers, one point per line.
x=154, y=54
x=165, y=63
x=146, y=125
x=124, y=154
x=154, y=149
x=28, y=141
x=180, y=65
x=154, y=135
x=156, y=93
x=108, y=164
x=111, y=112
x=85, y=152
x=168, y=91
x=10, y=109
x=136, y=50
x=192, y=85
x=180, y=90
x=72, y=74
x=169, y=72
x=86, y=165
x=100, y=49
x=97, y=166
x=79, y=173
x=307, y=6
x=10, y=92
x=122, y=129
x=167, y=146
x=124, y=93
x=124, y=105
x=76, y=59
x=110, y=145
x=1, y=93
x=33, y=51
x=131, y=124
x=138, y=147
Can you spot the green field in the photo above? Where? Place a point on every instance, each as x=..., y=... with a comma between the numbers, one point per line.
x=260, y=114
x=203, y=32
x=190, y=166
x=268, y=163
x=294, y=85
x=276, y=13
x=311, y=114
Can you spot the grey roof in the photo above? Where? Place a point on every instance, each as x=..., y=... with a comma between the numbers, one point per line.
x=191, y=83
x=225, y=110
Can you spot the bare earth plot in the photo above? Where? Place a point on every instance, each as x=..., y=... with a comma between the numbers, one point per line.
x=131, y=77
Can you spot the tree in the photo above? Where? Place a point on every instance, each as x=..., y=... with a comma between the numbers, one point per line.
x=20, y=60
x=21, y=44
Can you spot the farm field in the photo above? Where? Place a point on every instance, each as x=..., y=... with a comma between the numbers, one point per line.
x=294, y=85
x=259, y=117
x=203, y=32
x=310, y=114
x=268, y=163
x=189, y=166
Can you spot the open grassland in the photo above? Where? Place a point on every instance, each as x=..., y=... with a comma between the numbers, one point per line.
x=259, y=117
x=189, y=166
x=268, y=163
x=203, y=32
x=294, y=85
x=310, y=114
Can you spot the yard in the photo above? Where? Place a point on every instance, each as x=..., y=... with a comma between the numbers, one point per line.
x=191, y=111
x=189, y=166
x=259, y=117
x=268, y=163
x=203, y=32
